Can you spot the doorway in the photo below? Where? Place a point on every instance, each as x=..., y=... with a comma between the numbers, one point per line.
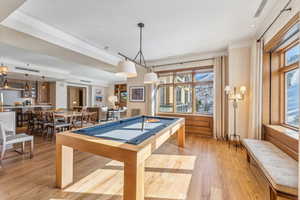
x=76, y=97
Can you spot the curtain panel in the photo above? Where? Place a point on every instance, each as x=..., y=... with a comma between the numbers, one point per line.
x=220, y=130
x=255, y=92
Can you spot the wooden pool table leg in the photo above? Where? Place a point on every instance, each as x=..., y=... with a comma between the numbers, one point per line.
x=134, y=181
x=64, y=166
x=181, y=136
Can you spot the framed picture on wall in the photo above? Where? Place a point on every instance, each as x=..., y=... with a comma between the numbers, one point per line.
x=98, y=92
x=98, y=99
x=137, y=93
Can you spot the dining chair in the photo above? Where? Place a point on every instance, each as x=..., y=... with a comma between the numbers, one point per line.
x=31, y=122
x=56, y=126
x=77, y=121
x=93, y=118
x=11, y=139
x=86, y=118
x=40, y=121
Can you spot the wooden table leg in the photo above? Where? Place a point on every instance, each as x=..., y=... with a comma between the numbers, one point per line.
x=134, y=181
x=181, y=136
x=64, y=166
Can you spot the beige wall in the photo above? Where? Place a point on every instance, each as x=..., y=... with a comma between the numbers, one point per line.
x=145, y=107
x=239, y=75
x=139, y=81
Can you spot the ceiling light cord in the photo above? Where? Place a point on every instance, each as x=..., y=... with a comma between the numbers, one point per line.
x=139, y=58
x=140, y=54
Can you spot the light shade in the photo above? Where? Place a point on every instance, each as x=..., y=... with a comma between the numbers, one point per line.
x=5, y=85
x=227, y=89
x=112, y=99
x=127, y=68
x=3, y=70
x=150, y=78
x=243, y=89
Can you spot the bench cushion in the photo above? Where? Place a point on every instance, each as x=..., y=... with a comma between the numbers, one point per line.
x=280, y=169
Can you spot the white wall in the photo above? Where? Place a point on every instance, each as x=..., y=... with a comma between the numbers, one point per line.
x=61, y=94
x=93, y=95
x=138, y=81
x=239, y=75
x=61, y=99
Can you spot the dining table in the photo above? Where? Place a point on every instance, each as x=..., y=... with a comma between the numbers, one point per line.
x=68, y=114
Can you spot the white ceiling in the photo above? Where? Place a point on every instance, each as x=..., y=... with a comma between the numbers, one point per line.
x=172, y=27
x=53, y=64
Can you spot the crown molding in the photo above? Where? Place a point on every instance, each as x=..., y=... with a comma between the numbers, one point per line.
x=9, y=6
x=54, y=74
x=240, y=44
x=187, y=57
x=32, y=26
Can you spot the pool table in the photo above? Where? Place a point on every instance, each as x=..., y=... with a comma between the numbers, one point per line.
x=131, y=140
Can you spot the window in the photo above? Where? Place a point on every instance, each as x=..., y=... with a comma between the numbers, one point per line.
x=290, y=85
x=166, y=99
x=184, y=102
x=192, y=91
x=292, y=97
x=184, y=77
x=292, y=55
x=166, y=78
x=204, y=99
x=204, y=76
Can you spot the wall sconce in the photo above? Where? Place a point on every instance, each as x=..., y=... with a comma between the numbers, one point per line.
x=235, y=96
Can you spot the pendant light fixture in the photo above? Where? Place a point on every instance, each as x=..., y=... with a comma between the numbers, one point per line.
x=3, y=70
x=44, y=86
x=127, y=67
x=5, y=84
x=26, y=88
x=150, y=78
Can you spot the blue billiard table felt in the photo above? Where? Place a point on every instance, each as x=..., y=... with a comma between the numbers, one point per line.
x=128, y=130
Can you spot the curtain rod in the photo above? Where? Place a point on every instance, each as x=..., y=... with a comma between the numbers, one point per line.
x=184, y=62
x=285, y=9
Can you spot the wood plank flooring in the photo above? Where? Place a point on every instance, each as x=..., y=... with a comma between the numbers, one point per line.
x=205, y=170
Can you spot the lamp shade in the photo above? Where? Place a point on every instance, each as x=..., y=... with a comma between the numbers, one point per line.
x=127, y=68
x=243, y=89
x=112, y=99
x=3, y=70
x=150, y=78
x=227, y=89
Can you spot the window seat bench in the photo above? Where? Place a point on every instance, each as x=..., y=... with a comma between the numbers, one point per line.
x=279, y=169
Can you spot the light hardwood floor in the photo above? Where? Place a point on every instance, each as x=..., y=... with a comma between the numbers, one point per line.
x=205, y=170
